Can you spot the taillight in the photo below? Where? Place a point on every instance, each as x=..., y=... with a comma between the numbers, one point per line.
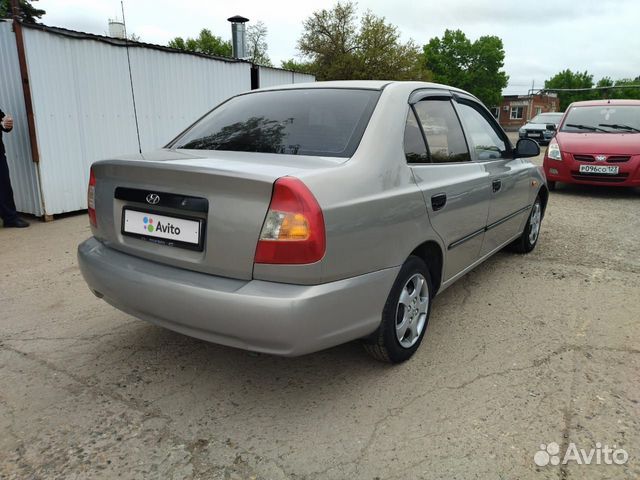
x=293, y=231
x=91, y=199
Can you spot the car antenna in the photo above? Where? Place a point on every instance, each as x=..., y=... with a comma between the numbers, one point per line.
x=133, y=95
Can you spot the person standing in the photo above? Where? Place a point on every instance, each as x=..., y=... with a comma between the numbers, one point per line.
x=8, y=211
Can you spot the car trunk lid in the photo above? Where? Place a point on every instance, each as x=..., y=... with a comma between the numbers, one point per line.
x=217, y=199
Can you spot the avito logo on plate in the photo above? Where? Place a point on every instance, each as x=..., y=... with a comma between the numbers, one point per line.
x=166, y=228
x=148, y=224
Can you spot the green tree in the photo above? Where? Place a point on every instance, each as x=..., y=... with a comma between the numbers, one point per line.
x=381, y=55
x=291, y=64
x=605, y=82
x=473, y=66
x=206, y=42
x=257, y=44
x=567, y=79
x=28, y=13
x=631, y=92
x=335, y=46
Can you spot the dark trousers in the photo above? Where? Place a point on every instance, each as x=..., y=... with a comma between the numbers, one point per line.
x=7, y=205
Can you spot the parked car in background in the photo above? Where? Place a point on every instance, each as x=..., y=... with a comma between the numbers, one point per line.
x=538, y=127
x=293, y=219
x=598, y=143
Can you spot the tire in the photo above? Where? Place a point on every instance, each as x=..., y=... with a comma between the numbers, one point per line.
x=551, y=185
x=529, y=238
x=410, y=302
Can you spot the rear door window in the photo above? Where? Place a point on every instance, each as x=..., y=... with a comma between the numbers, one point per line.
x=313, y=121
x=415, y=150
x=441, y=127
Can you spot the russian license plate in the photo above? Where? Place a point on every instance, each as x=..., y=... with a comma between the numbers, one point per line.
x=534, y=134
x=602, y=169
x=163, y=229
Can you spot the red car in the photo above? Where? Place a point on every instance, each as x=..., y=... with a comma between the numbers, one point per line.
x=597, y=143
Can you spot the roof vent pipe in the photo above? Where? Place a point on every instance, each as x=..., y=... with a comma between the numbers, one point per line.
x=238, y=36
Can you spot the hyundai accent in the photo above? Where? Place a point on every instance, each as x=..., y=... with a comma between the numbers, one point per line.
x=292, y=219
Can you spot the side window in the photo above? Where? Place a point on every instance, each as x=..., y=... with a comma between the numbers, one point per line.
x=415, y=149
x=483, y=137
x=440, y=124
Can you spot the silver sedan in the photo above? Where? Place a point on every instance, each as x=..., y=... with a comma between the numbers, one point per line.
x=292, y=219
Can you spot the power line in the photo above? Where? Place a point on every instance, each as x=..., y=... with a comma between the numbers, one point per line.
x=590, y=89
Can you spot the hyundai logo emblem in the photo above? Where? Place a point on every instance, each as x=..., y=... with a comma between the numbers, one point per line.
x=153, y=199
x=601, y=158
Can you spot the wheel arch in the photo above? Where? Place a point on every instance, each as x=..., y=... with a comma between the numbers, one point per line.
x=544, y=197
x=431, y=252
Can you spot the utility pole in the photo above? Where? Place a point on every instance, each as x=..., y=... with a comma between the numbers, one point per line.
x=530, y=109
x=15, y=9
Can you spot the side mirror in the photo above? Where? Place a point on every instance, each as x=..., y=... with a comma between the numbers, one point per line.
x=526, y=148
x=551, y=126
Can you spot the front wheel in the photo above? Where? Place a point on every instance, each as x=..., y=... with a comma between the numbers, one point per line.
x=529, y=238
x=405, y=314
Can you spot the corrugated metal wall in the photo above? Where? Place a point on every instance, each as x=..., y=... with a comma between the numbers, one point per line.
x=271, y=77
x=173, y=90
x=303, y=78
x=84, y=111
x=24, y=175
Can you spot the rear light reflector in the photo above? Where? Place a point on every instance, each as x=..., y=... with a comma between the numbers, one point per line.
x=91, y=200
x=293, y=231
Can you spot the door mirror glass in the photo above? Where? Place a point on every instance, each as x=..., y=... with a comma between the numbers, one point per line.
x=526, y=148
x=551, y=126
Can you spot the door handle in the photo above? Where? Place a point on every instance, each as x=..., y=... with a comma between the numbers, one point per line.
x=496, y=185
x=438, y=201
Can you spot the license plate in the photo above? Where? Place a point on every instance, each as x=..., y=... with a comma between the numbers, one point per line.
x=535, y=135
x=163, y=229
x=603, y=169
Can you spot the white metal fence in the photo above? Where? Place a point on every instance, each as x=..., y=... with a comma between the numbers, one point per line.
x=83, y=108
x=271, y=77
x=24, y=174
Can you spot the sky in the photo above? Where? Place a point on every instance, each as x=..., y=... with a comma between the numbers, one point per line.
x=540, y=38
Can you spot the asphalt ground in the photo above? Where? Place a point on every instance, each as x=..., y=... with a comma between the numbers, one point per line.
x=523, y=351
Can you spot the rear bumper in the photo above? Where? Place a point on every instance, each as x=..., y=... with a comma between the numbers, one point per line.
x=567, y=171
x=269, y=317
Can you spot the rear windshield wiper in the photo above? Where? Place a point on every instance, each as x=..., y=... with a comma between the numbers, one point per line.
x=587, y=127
x=619, y=126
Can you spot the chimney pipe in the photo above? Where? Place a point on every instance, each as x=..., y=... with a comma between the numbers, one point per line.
x=238, y=36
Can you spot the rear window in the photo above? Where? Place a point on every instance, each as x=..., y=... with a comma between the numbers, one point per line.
x=320, y=122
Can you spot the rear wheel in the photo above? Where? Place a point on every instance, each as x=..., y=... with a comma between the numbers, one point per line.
x=551, y=185
x=405, y=314
x=529, y=238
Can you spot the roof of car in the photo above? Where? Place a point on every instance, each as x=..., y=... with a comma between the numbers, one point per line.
x=364, y=84
x=599, y=103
